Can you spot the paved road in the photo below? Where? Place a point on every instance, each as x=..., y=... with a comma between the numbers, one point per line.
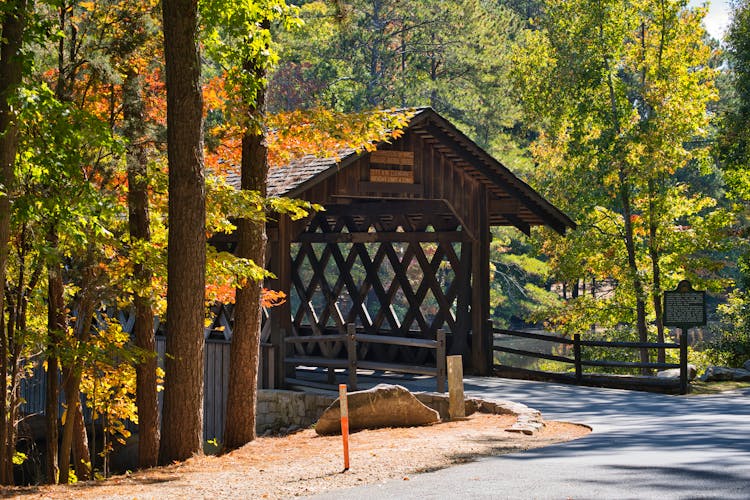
x=643, y=446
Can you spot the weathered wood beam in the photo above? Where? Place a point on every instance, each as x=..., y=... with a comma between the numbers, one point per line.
x=388, y=187
x=389, y=207
x=504, y=206
x=459, y=152
x=520, y=224
x=482, y=336
x=391, y=237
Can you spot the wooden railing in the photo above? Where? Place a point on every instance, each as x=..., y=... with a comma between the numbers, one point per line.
x=351, y=363
x=579, y=363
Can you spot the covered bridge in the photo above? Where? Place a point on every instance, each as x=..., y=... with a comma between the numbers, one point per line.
x=402, y=248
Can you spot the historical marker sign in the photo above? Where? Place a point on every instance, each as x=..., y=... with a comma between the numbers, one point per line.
x=684, y=307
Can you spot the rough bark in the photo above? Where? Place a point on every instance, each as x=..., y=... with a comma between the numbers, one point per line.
x=72, y=400
x=11, y=70
x=81, y=455
x=182, y=417
x=4, y=427
x=140, y=230
x=75, y=437
x=56, y=324
x=72, y=374
x=51, y=412
x=239, y=427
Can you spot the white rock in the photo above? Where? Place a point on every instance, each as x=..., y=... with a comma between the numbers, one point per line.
x=675, y=373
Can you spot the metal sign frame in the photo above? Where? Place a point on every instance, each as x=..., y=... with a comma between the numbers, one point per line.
x=684, y=307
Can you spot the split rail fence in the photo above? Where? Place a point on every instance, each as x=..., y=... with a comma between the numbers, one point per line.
x=351, y=363
x=579, y=363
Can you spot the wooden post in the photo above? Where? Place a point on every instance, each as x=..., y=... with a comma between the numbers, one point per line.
x=351, y=352
x=281, y=316
x=440, y=360
x=344, y=410
x=269, y=368
x=490, y=345
x=456, y=405
x=481, y=338
x=683, y=361
x=577, y=357
x=460, y=340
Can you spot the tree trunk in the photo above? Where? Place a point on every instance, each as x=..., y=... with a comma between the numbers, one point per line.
x=654, y=254
x=640, y=301
x=140, y=230
x=624, y=194
x=51, y=411
x=74, y=437
x=72, y=380
x=56, y=325
x=5, y=424
x=10, y=394
x=239, y=427
x=83, y=461
x=12, y=419
x=11, y=71
x=182, y=429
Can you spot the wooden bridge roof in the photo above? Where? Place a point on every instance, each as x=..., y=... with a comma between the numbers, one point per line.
x=511, y=200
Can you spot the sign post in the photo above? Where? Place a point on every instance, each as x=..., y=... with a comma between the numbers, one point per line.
x=684, y=308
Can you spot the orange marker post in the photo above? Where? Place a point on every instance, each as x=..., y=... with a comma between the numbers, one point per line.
x=344, y=406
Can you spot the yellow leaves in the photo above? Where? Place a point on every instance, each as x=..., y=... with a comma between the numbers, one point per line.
x=109, y=379
x=89, y=6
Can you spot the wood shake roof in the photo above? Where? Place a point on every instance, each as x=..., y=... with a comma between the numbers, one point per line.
x=305, y=172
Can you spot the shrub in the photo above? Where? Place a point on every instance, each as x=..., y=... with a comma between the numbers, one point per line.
x=730, y=345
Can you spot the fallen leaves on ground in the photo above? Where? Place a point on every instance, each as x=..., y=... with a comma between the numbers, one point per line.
x=305, y=463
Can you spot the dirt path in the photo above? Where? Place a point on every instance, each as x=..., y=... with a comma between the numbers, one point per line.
x=306, y=464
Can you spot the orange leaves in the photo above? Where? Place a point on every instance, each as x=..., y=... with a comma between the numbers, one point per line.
x=225, y=293
x=317, y=132
x=220, y=292
x=215, y=96
x=272, y=298
x=325, y=133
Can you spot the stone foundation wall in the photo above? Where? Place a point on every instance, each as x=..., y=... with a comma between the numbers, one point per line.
x=279, y=410
x=289, y=410
x=528, y=421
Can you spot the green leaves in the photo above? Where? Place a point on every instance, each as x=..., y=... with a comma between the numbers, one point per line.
x=617, y=89
x=237, y=32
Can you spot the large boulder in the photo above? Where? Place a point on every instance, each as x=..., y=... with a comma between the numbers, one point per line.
x=746, y=365
x=675, y=372
x=382, y=406
x=722, y=373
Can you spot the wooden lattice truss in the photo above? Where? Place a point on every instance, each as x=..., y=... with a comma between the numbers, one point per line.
x=397, y=273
